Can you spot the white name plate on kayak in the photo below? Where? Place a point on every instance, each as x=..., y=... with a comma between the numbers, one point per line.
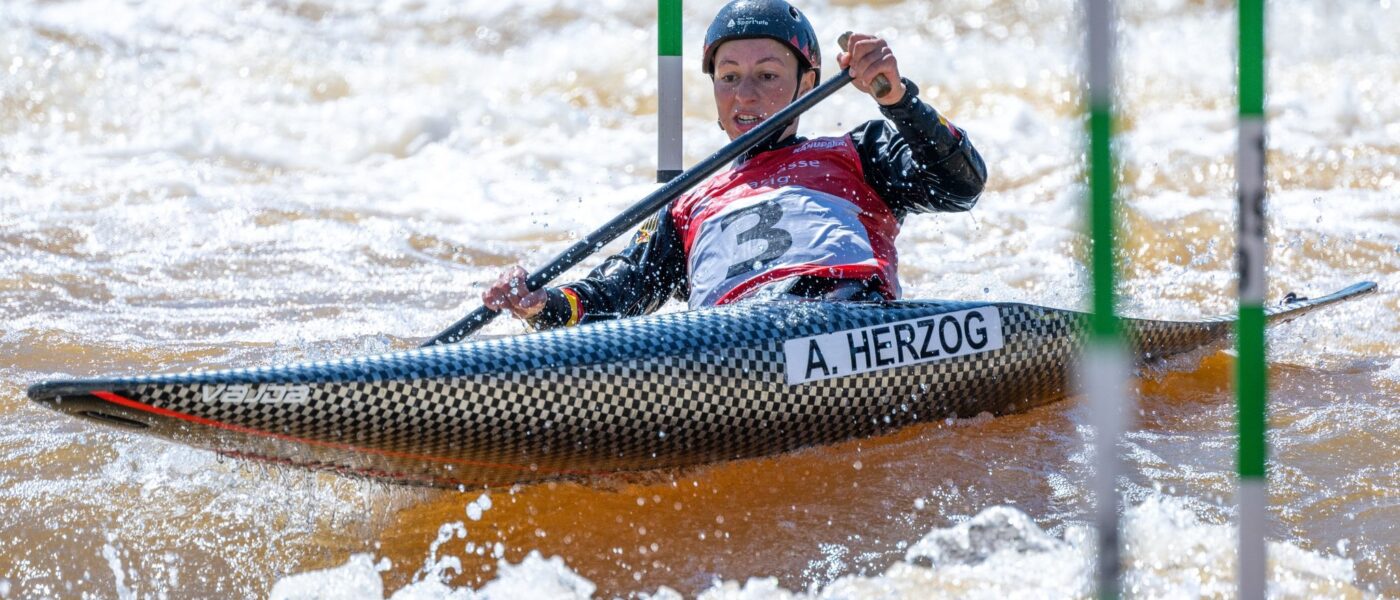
x=889, y=345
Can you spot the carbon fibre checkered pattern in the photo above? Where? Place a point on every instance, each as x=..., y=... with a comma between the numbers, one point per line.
x=660, y=391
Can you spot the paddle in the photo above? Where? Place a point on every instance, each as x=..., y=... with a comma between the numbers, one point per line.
x=652, y=203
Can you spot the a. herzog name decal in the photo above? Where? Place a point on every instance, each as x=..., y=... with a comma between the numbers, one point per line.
x=890, y=345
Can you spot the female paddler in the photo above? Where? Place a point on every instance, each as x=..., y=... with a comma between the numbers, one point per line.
x=793, y=217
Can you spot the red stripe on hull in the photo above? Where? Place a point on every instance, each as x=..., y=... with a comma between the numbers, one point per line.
x=164, y=412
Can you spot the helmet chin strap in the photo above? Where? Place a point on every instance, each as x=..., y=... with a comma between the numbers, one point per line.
x=797, y=91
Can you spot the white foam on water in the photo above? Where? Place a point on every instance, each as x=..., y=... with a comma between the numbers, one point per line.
x=357, y=578
x=998, y=553
x=114, y=562
x=280, y=180
x=1391, y=374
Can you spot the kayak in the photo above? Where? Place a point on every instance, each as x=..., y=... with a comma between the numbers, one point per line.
x=660, y=391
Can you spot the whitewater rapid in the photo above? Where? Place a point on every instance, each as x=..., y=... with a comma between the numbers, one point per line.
x=187, y=185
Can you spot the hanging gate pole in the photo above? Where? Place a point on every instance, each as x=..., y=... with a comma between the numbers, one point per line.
x=669, y=85
x=1251, y=373
x=1106, y=365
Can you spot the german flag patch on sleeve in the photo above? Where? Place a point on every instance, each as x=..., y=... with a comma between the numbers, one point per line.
x=648, y=227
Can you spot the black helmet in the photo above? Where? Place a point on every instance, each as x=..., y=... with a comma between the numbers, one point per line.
x=773, y=19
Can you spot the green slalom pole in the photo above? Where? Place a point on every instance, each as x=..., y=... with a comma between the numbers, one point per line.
x=1251, y=374
x=670, y=77
x=1106, y=366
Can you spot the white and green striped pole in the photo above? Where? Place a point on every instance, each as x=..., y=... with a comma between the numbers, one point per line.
x=1105, y=366
x=1251, y=372
x=669, y=81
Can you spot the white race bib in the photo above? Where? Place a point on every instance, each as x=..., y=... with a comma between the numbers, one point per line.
x=787, y=227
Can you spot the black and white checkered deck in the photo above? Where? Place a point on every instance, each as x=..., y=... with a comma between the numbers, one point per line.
x=659, y=391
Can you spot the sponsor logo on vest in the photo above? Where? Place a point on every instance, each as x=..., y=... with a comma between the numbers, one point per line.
x=891, y=345
x=820, y=144
x=270, y=393
x=778, y=179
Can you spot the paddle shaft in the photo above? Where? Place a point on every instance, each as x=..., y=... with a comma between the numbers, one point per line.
x=649, y=205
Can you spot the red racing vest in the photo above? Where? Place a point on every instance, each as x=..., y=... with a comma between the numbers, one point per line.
x=801, y=210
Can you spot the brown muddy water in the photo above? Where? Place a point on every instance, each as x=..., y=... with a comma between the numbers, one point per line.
x=187, y=186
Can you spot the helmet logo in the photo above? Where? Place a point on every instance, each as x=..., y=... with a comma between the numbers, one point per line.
x=773, y=19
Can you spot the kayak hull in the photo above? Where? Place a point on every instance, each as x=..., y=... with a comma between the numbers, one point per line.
x=633, y=394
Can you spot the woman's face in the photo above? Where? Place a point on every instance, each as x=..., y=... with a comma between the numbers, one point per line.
x=753, y=79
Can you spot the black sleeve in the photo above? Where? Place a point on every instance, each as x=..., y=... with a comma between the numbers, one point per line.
x=922, y=163
x=636, y=281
